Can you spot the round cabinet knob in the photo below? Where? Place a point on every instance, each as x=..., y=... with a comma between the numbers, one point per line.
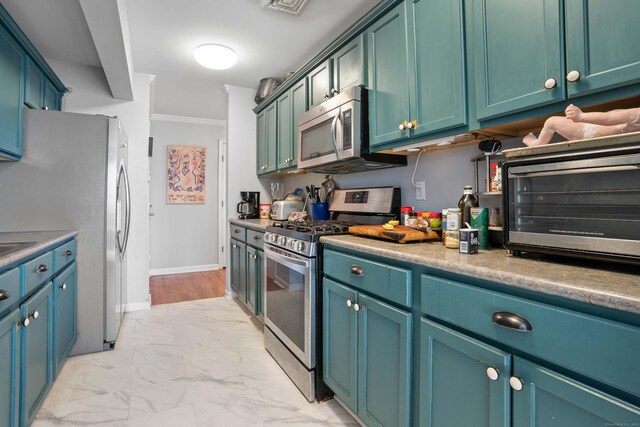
x=35, y=314
x=401, y=127
x=409, y=125
x=573, y=76
x=326, y=95
x=334, y=90
x=63, y=286
x=349, y=303
x=68, y=253
x=357, y=307
x=550, y=84
x=41, y=268
x=516, y=383
x=493, y=373
x=26, y=322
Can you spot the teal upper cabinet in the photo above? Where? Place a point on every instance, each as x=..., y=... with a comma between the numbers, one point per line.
x=349, y=65
x=518, y=55
x=602, y=44
x=320, y=83
x=388, y=77
x=267, y=134
x=34, y=84
x=437, y=58
x=50, y=97
x=299, y=104
x=285, y=131
x=11, y=58
x=417, y=71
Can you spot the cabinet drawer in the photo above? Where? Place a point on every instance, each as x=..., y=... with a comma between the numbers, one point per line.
x=64, y=255
x=255, y=238
x=386, y=281
x=37, y=271
x=238, y=233
x=9, y=289
x=604, y=350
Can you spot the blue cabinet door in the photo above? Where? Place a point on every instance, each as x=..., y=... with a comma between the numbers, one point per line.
x=550, y=399
x=319, y=83
x=34, y=82
x=65, y=325
x=252, y=278
x=518, y=47
x=11, y=85
x=51, y=97
x=350, y=65
x=36, y=362
x=388, y=77
x=602, y=44
x=236, y=259
x=9, y=368
x=271, y=137
x=259, y=286
x=455, y=389
x=384, y=368
x=285, y=132
x=261, y=143
x=299, y=104
x=339, y=341
x=437, y=65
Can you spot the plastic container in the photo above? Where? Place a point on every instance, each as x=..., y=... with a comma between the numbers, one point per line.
x=405, y=214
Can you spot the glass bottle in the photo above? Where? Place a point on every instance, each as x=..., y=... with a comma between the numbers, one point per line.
x=467, y=201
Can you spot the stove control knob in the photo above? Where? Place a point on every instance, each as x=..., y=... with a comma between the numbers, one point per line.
x=299, y=246
x=282, y=241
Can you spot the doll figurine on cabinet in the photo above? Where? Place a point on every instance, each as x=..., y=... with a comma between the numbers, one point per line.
x=578, y=125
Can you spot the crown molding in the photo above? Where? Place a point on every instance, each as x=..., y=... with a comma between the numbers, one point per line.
x=186, y=119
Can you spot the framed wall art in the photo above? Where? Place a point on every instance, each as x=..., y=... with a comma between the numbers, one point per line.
x=186, y=174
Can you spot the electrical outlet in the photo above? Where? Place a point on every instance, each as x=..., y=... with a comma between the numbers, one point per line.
x=420, y=190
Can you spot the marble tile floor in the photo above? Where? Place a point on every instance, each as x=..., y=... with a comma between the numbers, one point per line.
x=196, y=363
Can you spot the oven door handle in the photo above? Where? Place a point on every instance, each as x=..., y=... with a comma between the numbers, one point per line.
x=270, y=253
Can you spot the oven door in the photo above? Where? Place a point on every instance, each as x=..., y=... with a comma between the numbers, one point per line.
x=330, y=137
x=289, y=301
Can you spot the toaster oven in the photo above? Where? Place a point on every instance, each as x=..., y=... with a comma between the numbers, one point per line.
x=579, y=204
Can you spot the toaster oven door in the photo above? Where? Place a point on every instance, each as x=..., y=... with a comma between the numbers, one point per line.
x=590, y=205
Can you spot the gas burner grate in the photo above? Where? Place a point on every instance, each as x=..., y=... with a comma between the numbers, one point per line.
x=315, y=228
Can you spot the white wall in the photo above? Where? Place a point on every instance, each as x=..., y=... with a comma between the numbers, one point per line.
x=188, y=98
x=183, y=237
x=91, y=95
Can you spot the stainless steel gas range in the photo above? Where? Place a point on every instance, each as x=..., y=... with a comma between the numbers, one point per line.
x=293, y=281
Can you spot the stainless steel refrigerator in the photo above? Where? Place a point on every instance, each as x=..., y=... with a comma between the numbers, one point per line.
x=73, y=175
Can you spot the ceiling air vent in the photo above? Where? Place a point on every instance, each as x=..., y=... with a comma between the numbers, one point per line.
x=289, y=6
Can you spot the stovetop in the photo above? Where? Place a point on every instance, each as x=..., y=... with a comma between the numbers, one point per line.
x=309, y=231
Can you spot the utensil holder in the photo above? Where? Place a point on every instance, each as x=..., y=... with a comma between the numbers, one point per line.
x=320, y=211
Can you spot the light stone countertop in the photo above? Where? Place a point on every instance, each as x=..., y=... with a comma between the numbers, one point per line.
x=256, y=224
x=39, y=241
x=608, y=285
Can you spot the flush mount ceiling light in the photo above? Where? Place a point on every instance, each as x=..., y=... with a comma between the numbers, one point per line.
x=215, y=56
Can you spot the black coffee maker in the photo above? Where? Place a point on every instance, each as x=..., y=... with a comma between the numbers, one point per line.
x=249, y=207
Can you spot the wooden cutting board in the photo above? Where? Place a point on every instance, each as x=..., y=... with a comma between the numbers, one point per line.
x=400, y=233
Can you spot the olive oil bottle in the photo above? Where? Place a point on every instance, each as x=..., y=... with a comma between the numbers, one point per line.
x=467, y=201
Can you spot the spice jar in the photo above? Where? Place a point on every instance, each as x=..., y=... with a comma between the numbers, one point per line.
x=405, y=214
x=434, y=219
x=413, y=219
x=454, y=218
x=452, y=239
x=444, y=224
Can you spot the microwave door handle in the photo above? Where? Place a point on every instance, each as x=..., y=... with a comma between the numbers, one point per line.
x=334, y=136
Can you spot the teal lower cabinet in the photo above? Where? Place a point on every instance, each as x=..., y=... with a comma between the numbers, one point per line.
x=65, y=325
x=367, y=355
x=36, y=335
x=247, y=264
x=10, y=368
x=36, y=362
x=455, y=387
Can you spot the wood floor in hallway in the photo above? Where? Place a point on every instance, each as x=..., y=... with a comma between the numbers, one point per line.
x=172, y=288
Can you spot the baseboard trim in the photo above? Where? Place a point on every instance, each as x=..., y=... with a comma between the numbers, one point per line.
x=179, y=270
x=139, y=306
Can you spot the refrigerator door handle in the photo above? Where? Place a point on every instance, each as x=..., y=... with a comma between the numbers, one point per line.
x=128, y=214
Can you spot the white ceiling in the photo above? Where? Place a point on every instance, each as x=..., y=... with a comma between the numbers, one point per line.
x=164, y=33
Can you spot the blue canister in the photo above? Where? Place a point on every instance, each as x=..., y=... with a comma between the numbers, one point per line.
x=320, y=211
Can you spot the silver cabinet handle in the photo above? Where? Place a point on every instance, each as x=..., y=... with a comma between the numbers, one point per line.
x=234, y=246
x=4, y=295
x=257, y=237
x=356, y=270
x=516, y=383
x=493, y=373
x=63, y=286
x=41, y=268
x=550, y=83
x=236, y=231
x=68, y=252
x=573, y=76
x=349, y=303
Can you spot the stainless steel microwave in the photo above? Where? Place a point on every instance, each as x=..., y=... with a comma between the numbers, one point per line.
x=333, y=137
x=579, y=204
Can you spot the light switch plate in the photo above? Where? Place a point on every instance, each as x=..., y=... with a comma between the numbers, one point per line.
x=420, y=190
